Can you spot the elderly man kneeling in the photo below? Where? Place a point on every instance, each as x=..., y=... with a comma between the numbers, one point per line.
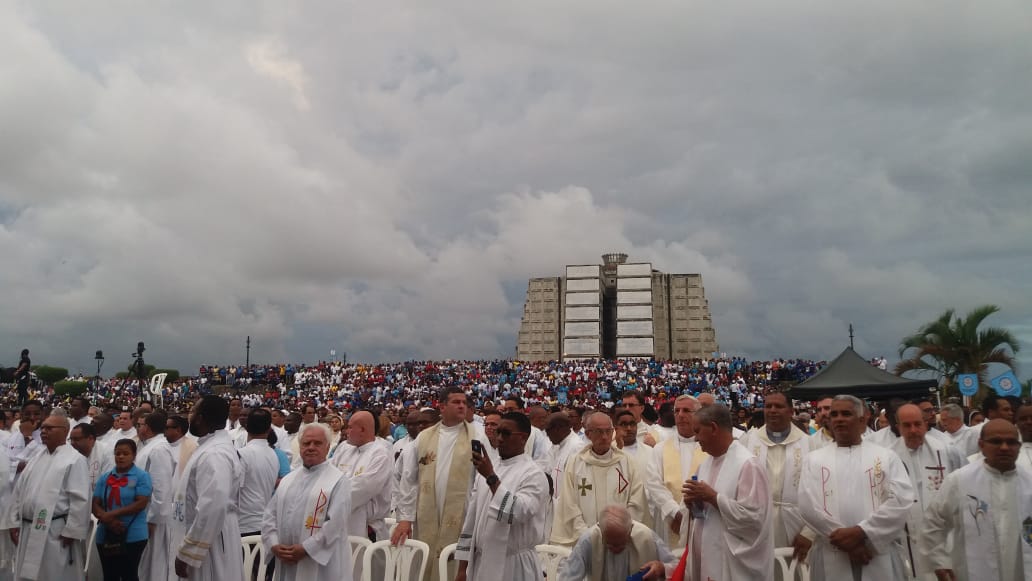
x=618, y=547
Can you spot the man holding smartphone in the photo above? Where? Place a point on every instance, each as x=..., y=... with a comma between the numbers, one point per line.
x=509, y=509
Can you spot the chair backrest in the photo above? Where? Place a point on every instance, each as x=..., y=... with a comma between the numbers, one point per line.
x=254, y=558
x=403, y=562
x=359, y=545
x=788, y=568
x=552, y=556
x=442, y=561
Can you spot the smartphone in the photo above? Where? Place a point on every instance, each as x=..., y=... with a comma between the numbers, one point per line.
x=478, y=447
x=637, y=576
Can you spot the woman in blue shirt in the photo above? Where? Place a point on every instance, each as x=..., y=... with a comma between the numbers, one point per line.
x=120, y=505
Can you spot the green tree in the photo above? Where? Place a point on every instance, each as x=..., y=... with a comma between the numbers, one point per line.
x=50, y=375
x=951, y=345
x=69, y=388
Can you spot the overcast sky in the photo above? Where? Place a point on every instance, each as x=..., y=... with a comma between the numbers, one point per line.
x=382, y=178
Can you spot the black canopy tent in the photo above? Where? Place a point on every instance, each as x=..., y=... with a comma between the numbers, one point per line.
x=851, y=374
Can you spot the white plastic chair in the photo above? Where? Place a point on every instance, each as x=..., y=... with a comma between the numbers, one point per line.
x=552, y=556
x=401, y=560
x=442, y=561
x=253, y=549
x=790, y=569
x=359, y=545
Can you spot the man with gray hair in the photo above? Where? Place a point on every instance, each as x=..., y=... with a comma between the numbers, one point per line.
x=963, y=437
x=856, y=496
x=616, y=548
x=674, y=460
x=49, y=511
x=731, y=526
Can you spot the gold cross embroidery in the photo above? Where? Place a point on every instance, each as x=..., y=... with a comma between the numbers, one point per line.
x=584, y=487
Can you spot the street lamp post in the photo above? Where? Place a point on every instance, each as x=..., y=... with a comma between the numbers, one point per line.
x=100, y=361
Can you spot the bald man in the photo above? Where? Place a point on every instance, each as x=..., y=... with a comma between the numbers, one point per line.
x=369, y=463
x=928, y=461
x=565, y=442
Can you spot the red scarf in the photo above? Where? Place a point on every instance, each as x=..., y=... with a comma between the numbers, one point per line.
x=116, y=484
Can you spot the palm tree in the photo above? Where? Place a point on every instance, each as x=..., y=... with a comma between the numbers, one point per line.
x=951, y=345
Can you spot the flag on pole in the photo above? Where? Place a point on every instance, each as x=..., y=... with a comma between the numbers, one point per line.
x=1006, y=384
x=968, y=383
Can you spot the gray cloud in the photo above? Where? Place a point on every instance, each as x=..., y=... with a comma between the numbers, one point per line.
x=378, y=179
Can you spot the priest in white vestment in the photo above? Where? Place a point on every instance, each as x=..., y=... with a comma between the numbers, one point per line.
x=155, y=457
x=305, y=525
x=731, y=533
x=640, y=455
x=565, y=443
x=508, y=512
x=436, y=481
x=205, y=531
x=674, y=461
x=368, y=464
x=856, y=496
x=617, y=548
x=928, y=461
x=598, y=476
x=781, y=448
x=1023, y=418
x=963, y=437
x=49, y=513
x=986, y=509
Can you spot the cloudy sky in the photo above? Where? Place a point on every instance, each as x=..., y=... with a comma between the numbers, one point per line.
x=381, y=178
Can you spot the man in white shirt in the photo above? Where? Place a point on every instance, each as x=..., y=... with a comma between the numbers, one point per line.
x=822, y=436
x=634, y=401
x=538, y=444
x=986, y=509
x=1023, y=419
x=564, y=443
x=928, y=462
x=261, y=472
x=674, y=461
x=78, y=411
x=506, y=518
x=617, y=548
x=156, y=458
x=731, y=534
x=367, y=462
x=856, y=496
x=963, y=437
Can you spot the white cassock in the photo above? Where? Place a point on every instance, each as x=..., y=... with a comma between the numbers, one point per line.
x=820, y=439
x=734, y=540
x=51, y=500
x=261, y=472
x=311, y=508
x=537, y=447
x=155, y=458
x=965, y=439
x=989, y=514
x=783, y=463
x=1025, y=455
x=100, y=461
x=370, y=470
x=205, y=532
x=501, y=529
x=641, y=455
x=591, y=483
x=927, y=467
x=557, y=458
x=673, y=461
x=863, y=485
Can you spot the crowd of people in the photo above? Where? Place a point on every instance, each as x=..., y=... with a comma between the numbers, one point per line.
x=691, y=471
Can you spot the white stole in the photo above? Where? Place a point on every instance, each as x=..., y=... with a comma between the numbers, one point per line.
x=43, y=501
x=314, y=514
x=981, y=545
x=713, y=540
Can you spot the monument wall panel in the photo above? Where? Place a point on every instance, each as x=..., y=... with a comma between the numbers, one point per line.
x=583, y=313
x=635, y=269
x=624, y=328
x=583, y=298
x=585, y=329
x=633, y=312
x=634, y=297
x=633, y=284
x=582, y=284
x=583, y=271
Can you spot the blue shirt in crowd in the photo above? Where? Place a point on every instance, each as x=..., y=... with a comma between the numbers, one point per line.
x=139, y=484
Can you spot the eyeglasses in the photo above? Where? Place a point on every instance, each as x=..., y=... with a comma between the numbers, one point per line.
x=502, y=432
x=599, y=431
x=1011, y=442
